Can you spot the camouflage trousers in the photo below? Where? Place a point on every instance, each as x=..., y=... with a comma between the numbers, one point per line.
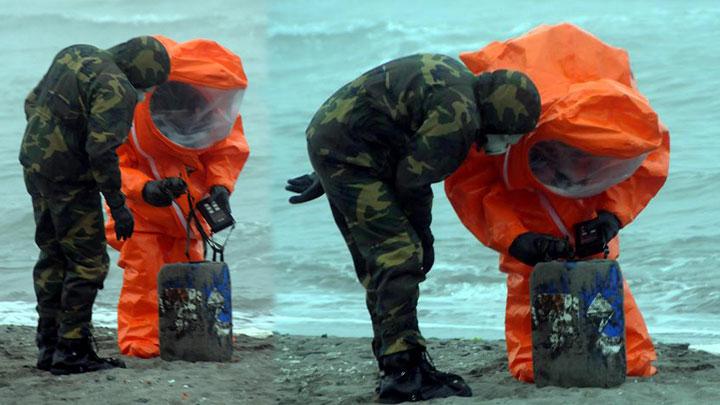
x=385, y=249
x=73, y=259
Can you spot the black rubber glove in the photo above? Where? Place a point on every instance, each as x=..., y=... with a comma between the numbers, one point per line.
x=532, y=248
x=222, y=196
x=307, y=186
x=609, y=225
x=124, y=222
x=427, y=240
x=161, y=193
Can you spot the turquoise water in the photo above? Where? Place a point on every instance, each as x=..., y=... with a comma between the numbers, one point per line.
x=291, y=270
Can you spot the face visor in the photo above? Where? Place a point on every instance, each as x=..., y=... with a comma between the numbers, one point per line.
x=194, y=116
x=571, y=172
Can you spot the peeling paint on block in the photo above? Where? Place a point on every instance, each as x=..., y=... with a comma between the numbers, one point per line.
x=578, y=324
x=195, y=312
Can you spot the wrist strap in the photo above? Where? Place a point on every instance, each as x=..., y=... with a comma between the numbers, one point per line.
x=217, y=247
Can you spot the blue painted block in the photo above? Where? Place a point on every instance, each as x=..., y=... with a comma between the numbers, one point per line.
x=578, y=324
x=195, y=311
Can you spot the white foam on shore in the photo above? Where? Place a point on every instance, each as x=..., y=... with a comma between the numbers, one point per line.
x=710, y=348
x=23, y=313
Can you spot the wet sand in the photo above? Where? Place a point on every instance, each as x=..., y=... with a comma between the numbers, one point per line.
x=287, y=369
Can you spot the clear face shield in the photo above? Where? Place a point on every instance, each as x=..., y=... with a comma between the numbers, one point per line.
x=571, y=172
x=497, y=144
x=194, y=116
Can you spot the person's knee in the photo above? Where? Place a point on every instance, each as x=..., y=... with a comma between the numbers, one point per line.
x=397, y=252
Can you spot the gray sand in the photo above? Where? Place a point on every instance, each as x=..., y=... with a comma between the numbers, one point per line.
x=316, y=370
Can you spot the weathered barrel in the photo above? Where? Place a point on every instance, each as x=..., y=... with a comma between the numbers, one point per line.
x=578, y=324
x=195, y=312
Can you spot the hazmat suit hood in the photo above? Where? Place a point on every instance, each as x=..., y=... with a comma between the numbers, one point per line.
x=595, y=129
x=144, y=60
x=198, y=107
x=575, y=153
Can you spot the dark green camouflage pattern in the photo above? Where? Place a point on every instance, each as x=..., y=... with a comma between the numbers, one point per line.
x=377, y=144
x=143, y=60
x=78, y=114
x=416, y=115
x=73, y=260
x=82, y=110
x=509, y=102
x=387, y=256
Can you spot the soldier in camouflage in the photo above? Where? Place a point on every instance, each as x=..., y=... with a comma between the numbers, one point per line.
x=78, y=114
x=377, y=145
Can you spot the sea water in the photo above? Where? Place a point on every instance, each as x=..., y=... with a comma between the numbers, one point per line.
x=291, y=271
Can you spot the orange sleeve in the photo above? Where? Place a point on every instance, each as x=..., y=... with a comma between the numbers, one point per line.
x=627, y=199
x=225, y=160
x=133, y=179
x=482, y=202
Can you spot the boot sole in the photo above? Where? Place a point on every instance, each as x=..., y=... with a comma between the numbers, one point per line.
x=80, y=370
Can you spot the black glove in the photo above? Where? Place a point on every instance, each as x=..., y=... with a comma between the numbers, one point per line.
x=609, y=225
x=124, y=222
x=427, y=240
x=307, y=186
x=222, y=196
x=161, y=193
x=532, y=248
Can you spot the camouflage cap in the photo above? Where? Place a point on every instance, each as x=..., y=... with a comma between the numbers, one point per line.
x=144, y=60
x=509, y=102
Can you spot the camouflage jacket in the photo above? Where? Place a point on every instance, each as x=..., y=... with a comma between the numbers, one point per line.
x=82, y=110
x=421, y=111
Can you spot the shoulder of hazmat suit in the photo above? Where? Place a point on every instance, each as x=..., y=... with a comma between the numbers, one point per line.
x=190, y=128
x=599, y=146
x=81, y=111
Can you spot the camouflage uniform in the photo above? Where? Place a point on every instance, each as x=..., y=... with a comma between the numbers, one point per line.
x=78, y=114
x=377, y=145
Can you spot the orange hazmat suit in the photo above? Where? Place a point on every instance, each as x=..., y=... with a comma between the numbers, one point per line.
x=190, y=128
x=598, y=146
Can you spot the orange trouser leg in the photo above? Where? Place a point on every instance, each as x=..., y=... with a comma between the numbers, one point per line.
x=639, y=348
x=141, y=257
x=518, y=327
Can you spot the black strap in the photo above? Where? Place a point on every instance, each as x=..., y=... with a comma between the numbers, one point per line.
x=217, y=247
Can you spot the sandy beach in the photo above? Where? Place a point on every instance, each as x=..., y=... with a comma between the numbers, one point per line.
x=286, y=369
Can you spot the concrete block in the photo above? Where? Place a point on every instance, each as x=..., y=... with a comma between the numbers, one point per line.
x=195, y=312
x=578, y=324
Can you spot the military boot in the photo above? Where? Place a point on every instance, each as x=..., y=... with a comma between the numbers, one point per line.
x=74, y=356
x=411, y=376
x=46, y=343
x=46, y=339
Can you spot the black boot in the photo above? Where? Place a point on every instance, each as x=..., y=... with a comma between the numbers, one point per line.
x=46, y=343
x=411, y=376
x=46, y=340
x=74, y=356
